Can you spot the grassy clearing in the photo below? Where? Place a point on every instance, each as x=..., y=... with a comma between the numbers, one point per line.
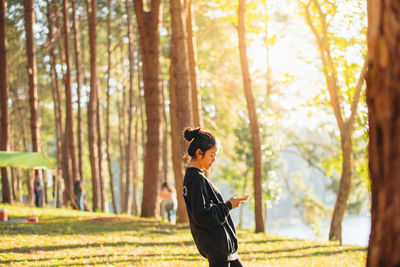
x=70, y=238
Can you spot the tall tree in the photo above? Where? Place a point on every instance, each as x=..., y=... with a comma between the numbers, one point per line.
x=4, y=115
x=126, y=205
x=135, y=152
x=100, y=151
x=149, y=31
x=319, y=26
x=108, y=136
x=165, y=136
x=183, y=108
x=192, y=55
x=70, y=128
x=383, y=98
x=122, y=135
x=78, y=67
x=92, y=105
x=51, y=9
x=254, y=125
x=32, y=75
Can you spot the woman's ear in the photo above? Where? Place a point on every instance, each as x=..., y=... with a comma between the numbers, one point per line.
x=199, y=153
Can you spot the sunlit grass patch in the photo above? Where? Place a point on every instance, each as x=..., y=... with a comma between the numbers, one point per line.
x=74, y=238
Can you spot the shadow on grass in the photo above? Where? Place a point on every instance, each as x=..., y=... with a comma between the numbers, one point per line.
x=83, y=225
x=286, y=250
x=292, y=256
x=94, y=245
x=265, y=241
x=109, y=259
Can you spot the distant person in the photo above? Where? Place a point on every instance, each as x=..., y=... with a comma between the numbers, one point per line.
x=168, y=197
x=79, y=193
x=37, y=189
x=210, y=222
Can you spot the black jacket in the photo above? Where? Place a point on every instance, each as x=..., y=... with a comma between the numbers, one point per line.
x=210, y=223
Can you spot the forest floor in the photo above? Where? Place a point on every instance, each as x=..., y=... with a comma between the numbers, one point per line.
x=64, y=237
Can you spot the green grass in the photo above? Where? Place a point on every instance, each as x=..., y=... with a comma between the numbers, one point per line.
x=69, y=238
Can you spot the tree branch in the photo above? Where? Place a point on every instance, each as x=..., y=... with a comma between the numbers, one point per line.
x=357, y=94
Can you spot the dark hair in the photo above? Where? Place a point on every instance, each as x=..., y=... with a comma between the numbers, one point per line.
x=167, y=186
x=199, y=138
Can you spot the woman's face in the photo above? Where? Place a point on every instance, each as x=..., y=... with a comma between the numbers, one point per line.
x=206, y=159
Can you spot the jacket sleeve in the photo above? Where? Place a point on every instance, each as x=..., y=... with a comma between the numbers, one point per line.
x=205, y=212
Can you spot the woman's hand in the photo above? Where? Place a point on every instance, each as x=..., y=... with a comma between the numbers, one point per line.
x=237, y=201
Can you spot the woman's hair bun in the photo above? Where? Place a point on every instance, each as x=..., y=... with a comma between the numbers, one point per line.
x=190, y=134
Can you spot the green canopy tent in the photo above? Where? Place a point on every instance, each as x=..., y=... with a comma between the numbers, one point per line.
x=29, y=160
x=25, y=160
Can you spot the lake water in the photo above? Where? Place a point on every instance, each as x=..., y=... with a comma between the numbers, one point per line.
x=355, y=231
x=287, y=222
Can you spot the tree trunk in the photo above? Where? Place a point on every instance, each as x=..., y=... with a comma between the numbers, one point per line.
x=165, y=136
x=344, y=190
x=68, y=97
x=255, y=132
x=66, y=167
x=122, y=139
x=78, y=85
x=149, y=29
x=383, y=98
x=51, y=8
x=100, y=151
x=126, y=206
x=135, y=154
x=183, y=108
x=92, y=105
x=108, y=137
x=192, y=55
x=4, y=115
x=32, y=75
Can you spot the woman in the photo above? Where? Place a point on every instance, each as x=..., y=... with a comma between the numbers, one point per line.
x=168, y=197
x=210, y=223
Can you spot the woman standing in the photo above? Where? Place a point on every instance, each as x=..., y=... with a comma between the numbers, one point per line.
x=211, y=225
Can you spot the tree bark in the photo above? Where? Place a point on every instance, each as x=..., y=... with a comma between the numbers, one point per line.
x=92, y=105
x=344, y=190
x=183, y=107
x=149, y=29
x=126, y=207
x=135, y=154
x=122, y=138
x=108, y=137
x=68, y=97
x=100, y=151
x=51, y=8
x=165, y=136
x=78, y=85
x=255, y=132
x=383, y=98
x=192, y=55
x=32, y=75
x=4, y=115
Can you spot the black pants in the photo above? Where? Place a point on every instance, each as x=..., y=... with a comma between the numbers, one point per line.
x=235, y=263
x=38, y=198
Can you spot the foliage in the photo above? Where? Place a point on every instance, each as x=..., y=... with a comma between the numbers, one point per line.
x=67, y=237
x=312, y=208
x=219, y=79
